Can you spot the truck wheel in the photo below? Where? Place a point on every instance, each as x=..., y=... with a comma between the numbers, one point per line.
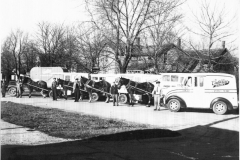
x=123, y=98
x=50, y=94
x=174, y=105
x=95, y=97
x=12, y=91
x=220, y=107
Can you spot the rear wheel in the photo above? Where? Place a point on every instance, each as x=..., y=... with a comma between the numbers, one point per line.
x=174, y=105
x=122, y=98
x=220, y=107
x=95, y=97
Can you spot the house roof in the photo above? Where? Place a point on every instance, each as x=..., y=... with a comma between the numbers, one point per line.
x=188, y=58
x=194, y=54
x=204, y=54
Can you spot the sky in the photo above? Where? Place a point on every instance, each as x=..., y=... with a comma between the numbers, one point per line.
x=26, y=14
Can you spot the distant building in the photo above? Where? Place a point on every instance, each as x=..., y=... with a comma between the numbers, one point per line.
x=174, y=59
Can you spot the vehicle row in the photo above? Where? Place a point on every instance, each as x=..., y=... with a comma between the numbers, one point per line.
x=216, y=91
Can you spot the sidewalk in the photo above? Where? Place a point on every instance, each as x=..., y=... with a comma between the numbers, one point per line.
x=12, y=134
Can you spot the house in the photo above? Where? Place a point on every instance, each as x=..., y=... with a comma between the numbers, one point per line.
x=171, y=58
x=175, y=59
x=107, y=63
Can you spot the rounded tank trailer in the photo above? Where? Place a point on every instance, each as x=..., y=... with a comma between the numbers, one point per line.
x=45, y=74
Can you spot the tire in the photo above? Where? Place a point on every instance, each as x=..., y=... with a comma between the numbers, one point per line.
x=50, y=94
x=220, y=107
x=174, y=105
x=95, y=97
x=122, y=98
x=12, y=91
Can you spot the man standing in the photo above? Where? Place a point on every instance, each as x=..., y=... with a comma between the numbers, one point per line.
x=114, y=92
x=157, y=93
x=54, y=89
x=19, y=88
x=3, y=88
x=76, y=87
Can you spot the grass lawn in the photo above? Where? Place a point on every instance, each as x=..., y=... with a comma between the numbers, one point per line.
x=63, y=124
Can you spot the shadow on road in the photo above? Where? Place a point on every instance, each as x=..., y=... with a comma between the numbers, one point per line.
x=137, y=135
x=199, y=142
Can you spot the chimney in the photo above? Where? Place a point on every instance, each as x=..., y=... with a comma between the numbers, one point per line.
x=179, y=42
x=223, y=44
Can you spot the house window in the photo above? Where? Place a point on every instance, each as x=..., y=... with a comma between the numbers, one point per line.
x=174, y=67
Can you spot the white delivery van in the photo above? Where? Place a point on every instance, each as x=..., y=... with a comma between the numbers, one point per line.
x=216, y=91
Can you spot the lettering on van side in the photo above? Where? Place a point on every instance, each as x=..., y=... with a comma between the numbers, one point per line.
x=219, y=83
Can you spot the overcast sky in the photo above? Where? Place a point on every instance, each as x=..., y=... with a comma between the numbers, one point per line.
x=26, y=14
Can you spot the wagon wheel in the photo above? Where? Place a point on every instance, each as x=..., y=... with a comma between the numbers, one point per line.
x=123, y=98
x=12, y=91
x=95, y=97
x=50, y=94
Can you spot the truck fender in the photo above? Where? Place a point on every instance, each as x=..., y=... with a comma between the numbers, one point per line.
x=229, y=104
x=183, y=103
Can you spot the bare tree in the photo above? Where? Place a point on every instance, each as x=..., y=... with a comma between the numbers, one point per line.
x=163, y=32
x=16, y=44
x=125, y=20
x=71, y=49
x=29, y=57
x=214, y=25
x=49, y=40
x=91, y=46
x=7, y=61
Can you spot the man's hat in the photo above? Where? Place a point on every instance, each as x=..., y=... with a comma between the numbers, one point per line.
x=54, y=78
x=76, y=78
x=157, y=81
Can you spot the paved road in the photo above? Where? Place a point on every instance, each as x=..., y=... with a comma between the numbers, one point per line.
x=204, y=135
x=139, y=113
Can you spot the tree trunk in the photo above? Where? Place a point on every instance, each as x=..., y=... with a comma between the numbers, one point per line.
x=123, y=69
x=19, y=67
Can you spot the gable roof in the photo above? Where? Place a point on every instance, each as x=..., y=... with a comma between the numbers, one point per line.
x=194, y=54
